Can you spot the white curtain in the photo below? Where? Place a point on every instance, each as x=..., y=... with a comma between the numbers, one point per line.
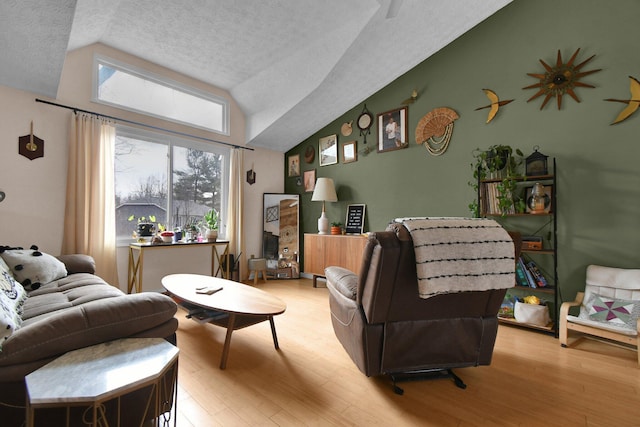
x=235, y=209
x=89, y=226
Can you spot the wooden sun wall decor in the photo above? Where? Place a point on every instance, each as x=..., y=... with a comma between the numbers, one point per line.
x=633, y=102
x=560, y=79
x=434, y=130
x=495, y=104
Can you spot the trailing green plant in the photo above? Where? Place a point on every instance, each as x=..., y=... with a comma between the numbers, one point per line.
x=500, y=162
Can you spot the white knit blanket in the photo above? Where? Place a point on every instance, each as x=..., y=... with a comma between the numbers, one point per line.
x=460, y=254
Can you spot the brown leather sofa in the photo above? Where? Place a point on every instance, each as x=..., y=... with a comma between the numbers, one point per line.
x=73, y=312
x=386, y=328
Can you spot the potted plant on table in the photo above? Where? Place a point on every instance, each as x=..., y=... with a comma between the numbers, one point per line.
x=336, y=228
x=146, y=226
x=211, y=221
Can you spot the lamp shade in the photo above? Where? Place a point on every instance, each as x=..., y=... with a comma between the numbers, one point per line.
x=325, y=191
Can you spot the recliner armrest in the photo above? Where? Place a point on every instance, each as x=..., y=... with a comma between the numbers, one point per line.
x=343, y=280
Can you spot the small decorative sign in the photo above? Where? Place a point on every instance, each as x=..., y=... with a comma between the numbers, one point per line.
x=355, y=219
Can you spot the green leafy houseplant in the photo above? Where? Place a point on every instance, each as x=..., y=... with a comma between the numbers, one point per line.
x=211, y=221
x=500, y=162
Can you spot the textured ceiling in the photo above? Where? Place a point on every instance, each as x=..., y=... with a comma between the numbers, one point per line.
x=292, y=65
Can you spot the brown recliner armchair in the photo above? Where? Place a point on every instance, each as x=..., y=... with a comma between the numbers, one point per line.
x=387, y=329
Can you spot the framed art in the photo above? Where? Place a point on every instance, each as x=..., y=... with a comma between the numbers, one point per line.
x=349, y=152
x=328, y=150
x=393, y=130
x=309, y=180
x=294, y=165
x=548, y=190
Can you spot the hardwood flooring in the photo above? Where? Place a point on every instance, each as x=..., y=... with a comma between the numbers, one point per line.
x=311, y=381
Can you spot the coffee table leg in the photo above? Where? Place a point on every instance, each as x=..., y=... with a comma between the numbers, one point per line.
x=227, y=340
x=273, y=332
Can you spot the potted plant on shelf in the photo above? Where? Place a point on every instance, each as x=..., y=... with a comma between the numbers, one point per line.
x=211, y=221
x=500, y=163
x=336, y=228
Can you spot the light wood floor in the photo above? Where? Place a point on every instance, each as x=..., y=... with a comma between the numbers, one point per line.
x=532, y=380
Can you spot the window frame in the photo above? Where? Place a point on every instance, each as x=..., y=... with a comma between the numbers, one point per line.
x=163, y=81
x=172, y=141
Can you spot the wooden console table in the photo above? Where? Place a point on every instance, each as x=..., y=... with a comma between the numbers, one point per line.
x=219, y=260
x=324, y=250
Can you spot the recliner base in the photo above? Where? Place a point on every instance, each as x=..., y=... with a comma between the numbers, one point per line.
x=430, y=374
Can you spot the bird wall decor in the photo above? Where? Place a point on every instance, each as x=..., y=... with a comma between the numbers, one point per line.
x=414, y=96
x=633, y=103
x=495, y=104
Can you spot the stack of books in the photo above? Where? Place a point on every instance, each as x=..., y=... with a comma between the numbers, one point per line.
x=528, y=274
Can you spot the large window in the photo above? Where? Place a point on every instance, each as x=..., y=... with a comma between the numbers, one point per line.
x=175, y=180
x=137, y=90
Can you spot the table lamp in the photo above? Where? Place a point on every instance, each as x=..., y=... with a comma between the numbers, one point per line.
x=325, y=191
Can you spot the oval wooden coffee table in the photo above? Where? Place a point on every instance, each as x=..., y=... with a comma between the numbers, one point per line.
x=234, y=306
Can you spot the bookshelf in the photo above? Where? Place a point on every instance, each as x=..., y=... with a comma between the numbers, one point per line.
x=540, y=228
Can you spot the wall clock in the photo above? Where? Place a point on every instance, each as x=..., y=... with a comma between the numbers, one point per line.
x=560, y=80
x=365, y=120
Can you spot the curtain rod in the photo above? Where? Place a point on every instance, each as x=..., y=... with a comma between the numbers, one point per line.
x=75, y=109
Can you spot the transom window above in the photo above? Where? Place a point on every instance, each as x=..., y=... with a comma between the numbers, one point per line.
x=137, y=90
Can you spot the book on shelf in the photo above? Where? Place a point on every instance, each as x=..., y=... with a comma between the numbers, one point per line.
x=537, y=274
x=529, y=274
x=521, y=277
x=531, y=281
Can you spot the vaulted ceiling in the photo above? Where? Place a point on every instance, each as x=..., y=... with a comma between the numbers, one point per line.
x=292, y=65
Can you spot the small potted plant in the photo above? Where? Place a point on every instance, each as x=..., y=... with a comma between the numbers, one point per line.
x=146, y=226
x=336, y=228
x=211, y=221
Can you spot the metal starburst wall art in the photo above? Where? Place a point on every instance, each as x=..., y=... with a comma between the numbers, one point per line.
x=560, y=80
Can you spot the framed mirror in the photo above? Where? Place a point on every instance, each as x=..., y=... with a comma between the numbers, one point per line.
x=281, y=235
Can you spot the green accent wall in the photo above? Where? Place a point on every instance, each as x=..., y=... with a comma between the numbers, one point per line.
x=598, y=174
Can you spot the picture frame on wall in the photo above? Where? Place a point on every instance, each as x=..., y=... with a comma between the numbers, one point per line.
x=349, y=152
x=328, y=150
x=393, y=130
x=309, y=181
x=294, y=165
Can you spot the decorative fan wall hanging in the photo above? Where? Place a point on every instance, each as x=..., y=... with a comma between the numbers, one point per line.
x=560, y=80
x=434, y=130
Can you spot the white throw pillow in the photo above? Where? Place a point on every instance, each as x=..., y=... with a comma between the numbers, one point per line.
x=33, y=268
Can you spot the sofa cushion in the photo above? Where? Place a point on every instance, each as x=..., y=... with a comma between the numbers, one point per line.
x=70, y=291
x=615, y=312
x=80, y=321
x=33, y=268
